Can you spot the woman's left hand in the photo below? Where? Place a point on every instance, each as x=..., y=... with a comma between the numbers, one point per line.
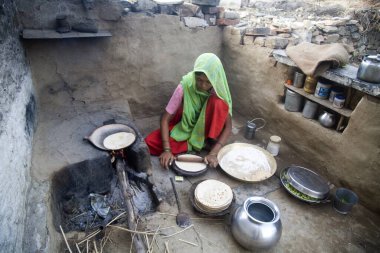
x=211, y=160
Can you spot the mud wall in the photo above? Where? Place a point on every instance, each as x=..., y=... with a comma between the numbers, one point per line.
x=17, y=123
x=80, y=81
x=349, y=159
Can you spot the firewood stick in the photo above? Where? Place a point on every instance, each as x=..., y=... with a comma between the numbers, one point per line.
x=76, y=245
x=114, y=219
x=64, y=237
x=164, y=228
x=167, y=236
x=89, y=236
x=133, y=236
x=154, y=238
x=167, y=247
x=96, y=248
x=191, y=243
x=131, y=231
x=126, y=189
x=147, y=243
x=158, y=246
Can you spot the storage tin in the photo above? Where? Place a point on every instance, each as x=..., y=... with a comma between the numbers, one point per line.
x=293, y=101
x=309, y=109
x=298, y=80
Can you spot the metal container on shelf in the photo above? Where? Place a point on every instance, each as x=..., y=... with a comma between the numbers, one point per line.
x=298, y=80
x=327, y=119
x=309, y=110
x=369, y=69
x=293, y=101
x=310, y=84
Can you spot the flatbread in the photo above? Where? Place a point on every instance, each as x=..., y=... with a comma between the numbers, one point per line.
x=213, y=194
x=189, y=166
x=119, y=140
x=247, y=163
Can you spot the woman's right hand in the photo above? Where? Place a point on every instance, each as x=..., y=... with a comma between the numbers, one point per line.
x=166, y=159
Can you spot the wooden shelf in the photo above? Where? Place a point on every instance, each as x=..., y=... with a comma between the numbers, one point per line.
x=52, y=34
x=324, y=102
x=345, y=76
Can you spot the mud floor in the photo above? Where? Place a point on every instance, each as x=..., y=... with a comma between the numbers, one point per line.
x=306, y=228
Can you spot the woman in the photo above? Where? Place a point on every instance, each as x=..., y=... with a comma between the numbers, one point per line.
x=198, y=112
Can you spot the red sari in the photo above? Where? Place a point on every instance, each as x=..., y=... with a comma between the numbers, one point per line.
x=216, y=115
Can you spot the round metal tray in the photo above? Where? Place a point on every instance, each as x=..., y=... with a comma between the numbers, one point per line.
x=203, y=212
x=284, y=183
x=307, y=182
x=235, y=174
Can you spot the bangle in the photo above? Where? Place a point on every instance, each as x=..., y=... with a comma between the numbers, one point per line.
x=213, y=154
x=167, y=149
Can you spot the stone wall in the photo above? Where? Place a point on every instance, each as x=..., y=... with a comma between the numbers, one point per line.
x=348, y=159
x=17, y=123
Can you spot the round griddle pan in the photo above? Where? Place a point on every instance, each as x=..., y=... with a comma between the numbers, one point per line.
x=98, y=135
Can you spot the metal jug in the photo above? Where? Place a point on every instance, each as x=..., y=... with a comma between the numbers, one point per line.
x=369, y=69
x=251, y=127
x=327, y=119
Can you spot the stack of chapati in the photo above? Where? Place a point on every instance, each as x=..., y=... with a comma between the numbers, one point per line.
x=212, y=196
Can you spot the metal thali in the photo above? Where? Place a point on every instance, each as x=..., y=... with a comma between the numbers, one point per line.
x=251, y=154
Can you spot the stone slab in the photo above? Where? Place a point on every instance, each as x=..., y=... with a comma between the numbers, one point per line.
x=52, y=34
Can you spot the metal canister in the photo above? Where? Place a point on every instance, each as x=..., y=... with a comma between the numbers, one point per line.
x=310, y=84
x=293, y=101
x=309, y=109
x=250, y=130
x=299, y=79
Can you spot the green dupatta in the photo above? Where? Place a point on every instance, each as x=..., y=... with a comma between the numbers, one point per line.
x=192, y=125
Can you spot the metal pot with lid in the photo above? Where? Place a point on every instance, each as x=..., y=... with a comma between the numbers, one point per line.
x=369, y=69
x=305, y=184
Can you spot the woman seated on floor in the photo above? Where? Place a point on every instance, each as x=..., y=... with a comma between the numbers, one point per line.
x=198, y=112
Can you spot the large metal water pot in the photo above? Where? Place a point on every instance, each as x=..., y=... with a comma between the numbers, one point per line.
x=369, y=69
x=256, y=224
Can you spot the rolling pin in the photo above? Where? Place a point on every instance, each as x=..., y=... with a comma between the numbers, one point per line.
x=190, y=159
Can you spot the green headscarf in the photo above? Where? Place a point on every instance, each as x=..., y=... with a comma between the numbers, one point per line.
x=192, y=125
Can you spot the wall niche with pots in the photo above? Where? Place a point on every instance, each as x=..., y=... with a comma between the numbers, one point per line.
x=329, y=99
